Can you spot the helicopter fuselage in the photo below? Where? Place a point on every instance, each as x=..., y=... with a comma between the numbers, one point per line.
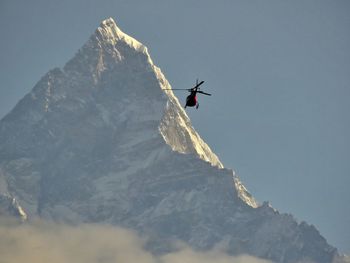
x=191, y=100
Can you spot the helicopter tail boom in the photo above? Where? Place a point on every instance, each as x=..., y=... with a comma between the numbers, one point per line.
x=202, y=92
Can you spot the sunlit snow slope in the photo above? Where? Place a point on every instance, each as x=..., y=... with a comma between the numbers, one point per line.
x=102, y=141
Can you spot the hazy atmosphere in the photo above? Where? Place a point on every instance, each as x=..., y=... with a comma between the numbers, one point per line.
x=279, y=72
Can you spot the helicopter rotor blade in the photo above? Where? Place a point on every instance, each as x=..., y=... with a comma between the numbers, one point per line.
x=198, y=84
x=176, y=89
x=194, y=88
x=202, y=92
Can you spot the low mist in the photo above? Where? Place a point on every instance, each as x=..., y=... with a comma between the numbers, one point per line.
x=43, y=242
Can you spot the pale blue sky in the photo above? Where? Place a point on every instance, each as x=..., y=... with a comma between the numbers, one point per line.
x=279, y=72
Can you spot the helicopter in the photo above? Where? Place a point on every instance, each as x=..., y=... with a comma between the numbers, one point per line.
x=191, y=100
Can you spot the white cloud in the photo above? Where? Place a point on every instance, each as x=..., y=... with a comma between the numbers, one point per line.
x=189, y=256
x=43, y=242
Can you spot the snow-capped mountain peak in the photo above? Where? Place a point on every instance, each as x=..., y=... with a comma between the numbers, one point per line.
x=110, y=33
x=175, y=126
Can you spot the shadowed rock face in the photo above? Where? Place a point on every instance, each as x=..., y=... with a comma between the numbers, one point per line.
x=100, y=141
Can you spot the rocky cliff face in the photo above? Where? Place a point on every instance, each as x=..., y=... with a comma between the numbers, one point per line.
x=102, y=141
